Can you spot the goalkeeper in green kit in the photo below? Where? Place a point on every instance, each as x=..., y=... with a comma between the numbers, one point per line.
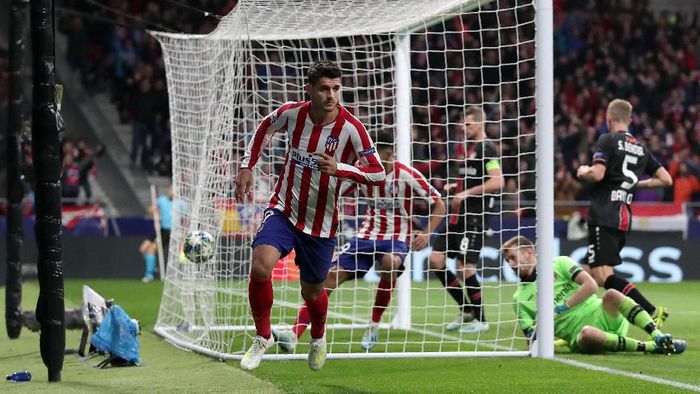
x=588, y=323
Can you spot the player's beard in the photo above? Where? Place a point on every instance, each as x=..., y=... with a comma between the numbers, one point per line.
x=527, y=277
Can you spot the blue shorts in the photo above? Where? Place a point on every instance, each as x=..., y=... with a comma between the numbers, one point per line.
x=314, y=254
x=360, y=255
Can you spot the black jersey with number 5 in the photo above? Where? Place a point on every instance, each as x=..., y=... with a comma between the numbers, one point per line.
x=625, y=161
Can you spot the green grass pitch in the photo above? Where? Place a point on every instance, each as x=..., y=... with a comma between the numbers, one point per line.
x=168, y=369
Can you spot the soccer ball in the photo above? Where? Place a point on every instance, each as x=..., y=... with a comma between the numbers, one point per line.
x=199, y=246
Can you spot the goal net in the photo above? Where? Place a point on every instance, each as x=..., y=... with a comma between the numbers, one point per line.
x=410, y=67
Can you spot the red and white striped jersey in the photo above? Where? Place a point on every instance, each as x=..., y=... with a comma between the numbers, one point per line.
x=305, y=194
x=390, y=204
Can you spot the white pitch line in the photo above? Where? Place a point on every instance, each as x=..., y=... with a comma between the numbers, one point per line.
x=356, y=319
x=633, y=375
x=579, y=364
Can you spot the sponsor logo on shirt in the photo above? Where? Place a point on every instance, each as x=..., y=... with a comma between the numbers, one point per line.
x=383, y=203
x=471, y=171
x=304, y=159
x=368, y=152
x=621, y=196
x=561, y=296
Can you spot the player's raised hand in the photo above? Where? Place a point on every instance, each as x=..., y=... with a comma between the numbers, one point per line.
x=244, y=180
x=326, y=163
x=420, y=241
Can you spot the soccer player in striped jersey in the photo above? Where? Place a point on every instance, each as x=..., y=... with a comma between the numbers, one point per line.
x=325, y=142
x=479, y=178
x=381, y=242
x=589, y=324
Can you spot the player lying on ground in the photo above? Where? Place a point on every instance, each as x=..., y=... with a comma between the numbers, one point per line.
x=382, y=240
x=588, y=323
x=324, y=142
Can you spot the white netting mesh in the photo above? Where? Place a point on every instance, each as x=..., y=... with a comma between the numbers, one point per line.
x=222, y=85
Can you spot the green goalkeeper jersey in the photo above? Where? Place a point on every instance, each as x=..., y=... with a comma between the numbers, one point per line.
x=566, y=323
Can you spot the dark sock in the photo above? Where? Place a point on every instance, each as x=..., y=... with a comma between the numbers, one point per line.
x=474, y=293
x=452, y=285
x=616, y=343
x=625, y=287
x=636, y=315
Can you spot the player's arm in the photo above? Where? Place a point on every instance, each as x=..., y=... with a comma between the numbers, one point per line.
x=493, y=184
x=421, y=187
x=587, y=285
x=593, y=173
x=369, y=169
x=272, y=123
x=660, y=177
x=596, y=171
x=526, y=321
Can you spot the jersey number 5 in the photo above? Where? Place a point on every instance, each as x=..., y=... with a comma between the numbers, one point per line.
x=629, y=174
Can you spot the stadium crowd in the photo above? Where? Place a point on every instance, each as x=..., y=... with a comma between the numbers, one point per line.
x=109, y=47
x=603, y=50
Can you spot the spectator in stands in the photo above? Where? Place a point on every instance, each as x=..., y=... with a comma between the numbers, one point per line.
x=566, y=188
x=649, y=59
x=685, y=185
x=85, y=158
x=142, y=124
x=70, y=178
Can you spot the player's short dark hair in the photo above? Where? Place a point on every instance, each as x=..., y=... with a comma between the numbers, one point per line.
x=384, y=146
x=323, y=68
x=384, y=140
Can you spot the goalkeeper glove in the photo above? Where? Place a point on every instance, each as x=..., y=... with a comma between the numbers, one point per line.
x=558, y=309
x=529, y=332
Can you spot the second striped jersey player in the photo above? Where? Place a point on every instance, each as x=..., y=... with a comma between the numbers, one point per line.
x=382, y=240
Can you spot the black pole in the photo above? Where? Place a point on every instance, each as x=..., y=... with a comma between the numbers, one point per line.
x=15, y=190
x=47, y=155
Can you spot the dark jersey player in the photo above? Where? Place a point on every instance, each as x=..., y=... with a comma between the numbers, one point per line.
x=619, y=162
x=478, y=179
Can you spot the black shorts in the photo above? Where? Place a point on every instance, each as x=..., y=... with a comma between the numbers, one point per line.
x=604, y=246
x=463, y=243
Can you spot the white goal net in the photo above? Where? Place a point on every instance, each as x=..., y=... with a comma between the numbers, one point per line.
x=410, y=68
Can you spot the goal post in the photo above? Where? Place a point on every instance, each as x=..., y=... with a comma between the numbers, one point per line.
x=545, y=176
x=410, y=67
x=402, y=60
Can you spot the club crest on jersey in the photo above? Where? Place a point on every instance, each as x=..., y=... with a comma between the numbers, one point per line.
x=394, y=187
x=331, y=143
